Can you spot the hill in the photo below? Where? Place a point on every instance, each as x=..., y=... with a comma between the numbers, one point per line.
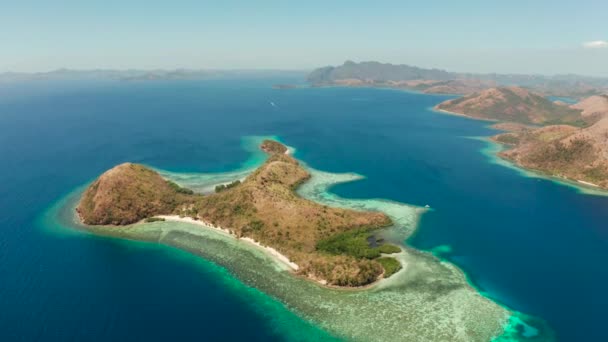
x=129, y=193
x=580, y=154
x=328, y=244
x=512, y=104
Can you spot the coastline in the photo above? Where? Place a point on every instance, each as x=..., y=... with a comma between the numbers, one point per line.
x=273, y=253
x=280, y=258
x=580, y=185
x=443, y=111
x=493, y=149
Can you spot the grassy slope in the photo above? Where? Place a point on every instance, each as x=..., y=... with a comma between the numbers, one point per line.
x=562, y=150
x=558, y=150
x=129, y=193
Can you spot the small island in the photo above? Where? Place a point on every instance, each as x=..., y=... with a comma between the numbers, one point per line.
x=333, y=246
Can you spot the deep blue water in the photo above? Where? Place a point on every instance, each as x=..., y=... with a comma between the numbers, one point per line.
x=534, y=245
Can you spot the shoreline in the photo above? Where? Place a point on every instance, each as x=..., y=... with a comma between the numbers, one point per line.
x=278, y=257
x=581, y=186
x=273, y=253
x=443, y=111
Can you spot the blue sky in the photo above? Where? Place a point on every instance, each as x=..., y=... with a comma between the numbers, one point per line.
x=534, y=36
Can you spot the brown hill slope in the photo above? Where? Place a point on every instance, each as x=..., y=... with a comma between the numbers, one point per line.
x=129, y=193
x=512, y=104
x=570, y=152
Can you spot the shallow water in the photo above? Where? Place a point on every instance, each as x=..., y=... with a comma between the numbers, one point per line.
x=432, y=299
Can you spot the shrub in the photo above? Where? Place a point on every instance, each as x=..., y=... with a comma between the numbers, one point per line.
x=389, y=249
x=222, y=187
x=154, y=219
x=353, y=243
x=390, y=265
x=179, y=189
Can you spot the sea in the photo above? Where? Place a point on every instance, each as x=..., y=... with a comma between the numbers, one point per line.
x=530, y=243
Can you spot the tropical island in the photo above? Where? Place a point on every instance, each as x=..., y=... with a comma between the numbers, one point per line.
x=333, y=246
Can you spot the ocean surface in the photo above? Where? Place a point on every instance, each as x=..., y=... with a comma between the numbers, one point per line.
x=531, y=244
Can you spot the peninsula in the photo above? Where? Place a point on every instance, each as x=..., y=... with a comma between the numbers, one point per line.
x=512, y=104
x=332, y=246
x=579, y=154
x=554, y=138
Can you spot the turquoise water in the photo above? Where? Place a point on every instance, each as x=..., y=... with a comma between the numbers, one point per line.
x=531, y=244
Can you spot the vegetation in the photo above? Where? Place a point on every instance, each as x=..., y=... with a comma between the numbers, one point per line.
x=154, y=219
x=223, y=187
x=179, y=189
x=389, y=249
x=507, y=138
x=390, y=265
x=353, y=243
x=559, y=154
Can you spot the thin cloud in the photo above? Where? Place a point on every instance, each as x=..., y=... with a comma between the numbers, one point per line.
x=596, y=44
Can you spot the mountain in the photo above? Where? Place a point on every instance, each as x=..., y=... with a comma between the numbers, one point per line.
x=512, y=104
x=579, y=154
x=375, y=74
x=375, y=71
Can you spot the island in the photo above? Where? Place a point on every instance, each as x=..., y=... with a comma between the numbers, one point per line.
x=332, y=246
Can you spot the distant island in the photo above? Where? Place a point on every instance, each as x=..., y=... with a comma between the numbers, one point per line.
x=142, y=75
x=333, y=246
x=436, y=81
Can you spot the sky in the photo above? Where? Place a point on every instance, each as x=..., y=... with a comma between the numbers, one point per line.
x=516, y=36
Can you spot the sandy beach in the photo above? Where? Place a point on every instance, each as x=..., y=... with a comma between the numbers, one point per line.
x=436, y=109
x=280, y=258
x=588, y=183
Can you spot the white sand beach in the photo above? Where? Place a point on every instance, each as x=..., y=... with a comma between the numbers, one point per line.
x=280, y=258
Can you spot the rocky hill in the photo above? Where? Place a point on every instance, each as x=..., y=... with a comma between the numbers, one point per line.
x=512, y=104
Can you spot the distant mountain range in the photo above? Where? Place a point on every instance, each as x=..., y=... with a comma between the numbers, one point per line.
x=143, y=75
x=441, y=81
